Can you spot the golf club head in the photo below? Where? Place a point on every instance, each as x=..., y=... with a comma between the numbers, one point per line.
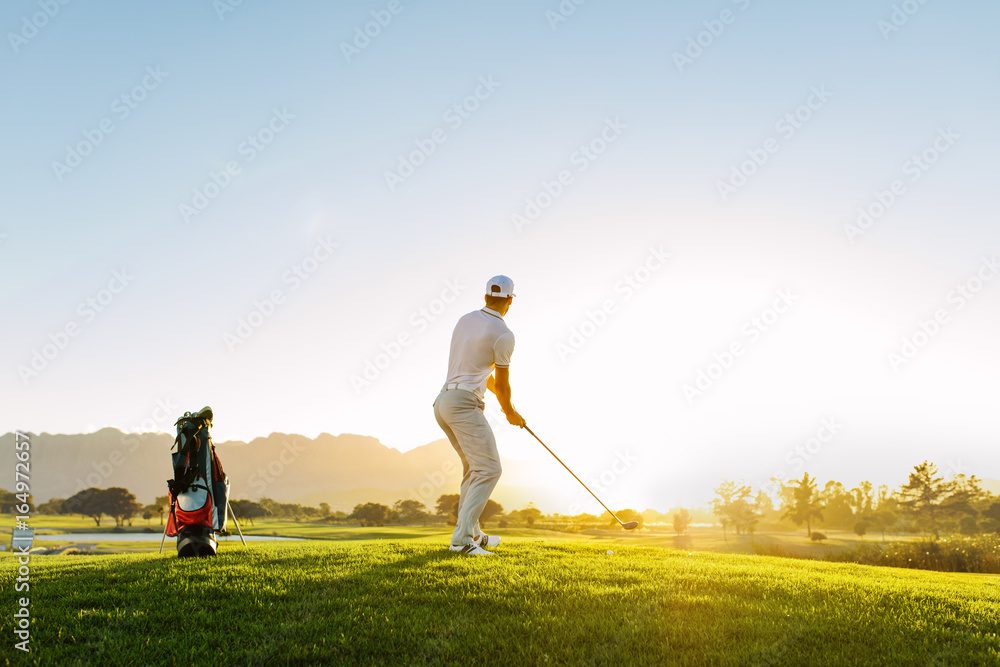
x=630, y=525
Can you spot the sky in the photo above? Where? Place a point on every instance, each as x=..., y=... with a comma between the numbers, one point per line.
x=748, y=239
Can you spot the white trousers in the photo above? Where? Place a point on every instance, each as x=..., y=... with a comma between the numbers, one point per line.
x=460, y=415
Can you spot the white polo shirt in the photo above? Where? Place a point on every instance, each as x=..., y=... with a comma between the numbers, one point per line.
x=481, y=342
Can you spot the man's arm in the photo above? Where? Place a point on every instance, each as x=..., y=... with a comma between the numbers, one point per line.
x=499, y=384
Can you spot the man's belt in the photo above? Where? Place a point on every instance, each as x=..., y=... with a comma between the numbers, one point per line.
x=464, y=387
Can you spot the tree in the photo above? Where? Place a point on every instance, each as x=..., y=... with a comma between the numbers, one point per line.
x=492, y=509
x=882, y=519
x=921, y=497
x=722, y=506
x=733, y=506
x=682, y=519
x=724, y=522
x=149, y=511
x=625, y=516
x=928, y=499
x=651, y=516
x=370, y=514
x=86, y=503
x=862, y=498
x=248, y=509
x=837, y=509
x=324, y=509
x=118, y=503
x=806, y=505
x=163, y=503
x=860, y=528
x=54, y=506
x=292, y=511
x=749, y=514
x=763, y=504
x=529, y=515
x=447, y=507
x=883, y=515
x=993, y=514
x=411, y=511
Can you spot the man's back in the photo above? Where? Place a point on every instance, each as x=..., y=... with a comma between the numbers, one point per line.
x=481, y=340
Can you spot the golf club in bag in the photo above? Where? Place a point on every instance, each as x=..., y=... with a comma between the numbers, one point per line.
x=199, y=491
x=627, y=526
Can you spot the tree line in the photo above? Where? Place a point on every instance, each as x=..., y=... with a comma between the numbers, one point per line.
x=121, y=505
x=116, y=502
x=927, y=503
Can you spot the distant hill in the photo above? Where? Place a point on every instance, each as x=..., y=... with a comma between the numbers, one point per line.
x=341, y=470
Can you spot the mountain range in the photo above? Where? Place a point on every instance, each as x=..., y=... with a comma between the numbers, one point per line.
x=341, y=470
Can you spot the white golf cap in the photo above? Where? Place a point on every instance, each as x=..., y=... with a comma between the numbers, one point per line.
x=500, y=286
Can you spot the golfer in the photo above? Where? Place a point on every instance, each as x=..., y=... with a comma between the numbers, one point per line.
x=480, y=343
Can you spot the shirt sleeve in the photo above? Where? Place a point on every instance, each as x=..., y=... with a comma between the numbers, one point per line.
x=503, y=349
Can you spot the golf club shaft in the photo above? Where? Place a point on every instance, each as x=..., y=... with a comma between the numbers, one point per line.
x=572, y=473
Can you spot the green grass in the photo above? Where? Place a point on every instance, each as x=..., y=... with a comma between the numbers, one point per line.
x=64, y=523
x=538, y=603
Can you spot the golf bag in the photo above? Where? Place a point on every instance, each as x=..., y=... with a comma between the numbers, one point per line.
x=199, y=491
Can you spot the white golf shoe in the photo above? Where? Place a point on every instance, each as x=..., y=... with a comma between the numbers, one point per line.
x=469, y=550
x=490, y=541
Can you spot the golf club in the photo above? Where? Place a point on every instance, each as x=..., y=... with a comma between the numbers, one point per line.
x=627, y=526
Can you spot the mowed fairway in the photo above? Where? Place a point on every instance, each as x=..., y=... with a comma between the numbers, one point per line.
x=412, y=602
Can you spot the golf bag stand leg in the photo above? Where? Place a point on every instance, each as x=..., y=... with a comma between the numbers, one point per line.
x=163, y=539
x=238, y=530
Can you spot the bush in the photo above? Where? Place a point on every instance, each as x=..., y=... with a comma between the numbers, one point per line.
x=976, y=554
x=117, y=529
x=778, y=551
x=817, y=537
